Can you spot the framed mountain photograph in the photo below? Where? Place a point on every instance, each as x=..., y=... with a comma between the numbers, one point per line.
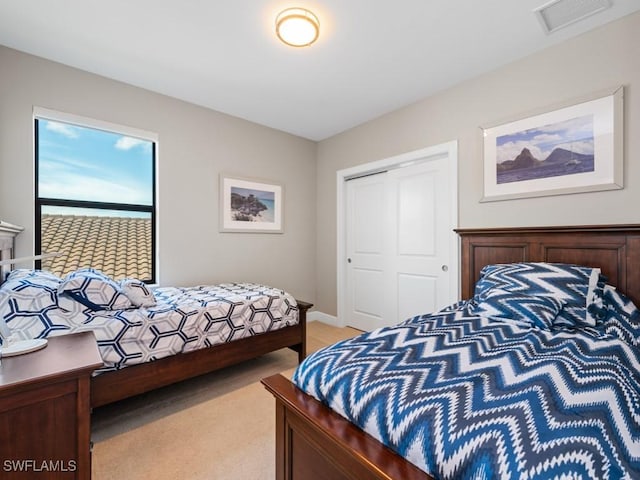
x=577, y=148
x=248, y=205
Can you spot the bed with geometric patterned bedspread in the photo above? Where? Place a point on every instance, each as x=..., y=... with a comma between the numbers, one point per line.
x=139, y=329
x=535, y=376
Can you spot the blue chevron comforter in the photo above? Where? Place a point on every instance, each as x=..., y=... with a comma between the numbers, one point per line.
x=474, y=393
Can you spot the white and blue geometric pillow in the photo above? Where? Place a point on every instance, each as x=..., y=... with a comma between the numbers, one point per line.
x=94, y=290
x=138, y=292
x=28, y=304
x=576, y=286
x=31, y=290
x=35, y=277
x=537, y=311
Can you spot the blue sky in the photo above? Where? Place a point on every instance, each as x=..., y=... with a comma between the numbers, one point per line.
x=575, y=134
x=79, y=163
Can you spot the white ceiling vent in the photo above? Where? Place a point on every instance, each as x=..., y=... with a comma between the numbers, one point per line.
x=560, y=13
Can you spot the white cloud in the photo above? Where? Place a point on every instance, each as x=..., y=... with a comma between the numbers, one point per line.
x=57, y=161
x=63, y=129
x=64, y=184
x=579, y=146
x=546, y=138
x=127, y=143
x=572, y=128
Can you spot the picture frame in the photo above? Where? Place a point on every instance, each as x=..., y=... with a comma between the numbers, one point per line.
x=250, y=205
x=572, y=148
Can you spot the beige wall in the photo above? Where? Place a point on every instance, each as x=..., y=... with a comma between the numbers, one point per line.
x=195, y=145
x=601, y=59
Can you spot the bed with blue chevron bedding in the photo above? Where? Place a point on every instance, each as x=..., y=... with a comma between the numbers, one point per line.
x=535, y=377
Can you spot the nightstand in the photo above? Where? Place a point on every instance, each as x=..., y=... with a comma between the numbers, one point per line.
x=45, y=426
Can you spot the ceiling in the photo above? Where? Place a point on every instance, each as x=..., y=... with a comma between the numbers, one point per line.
x=372, y=57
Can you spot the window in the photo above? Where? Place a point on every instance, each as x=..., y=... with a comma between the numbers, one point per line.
x=94, y=196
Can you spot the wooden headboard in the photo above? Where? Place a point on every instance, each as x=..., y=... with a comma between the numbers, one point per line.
x=613, y=248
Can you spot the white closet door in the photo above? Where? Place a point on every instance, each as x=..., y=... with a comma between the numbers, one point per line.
x=419, y=248
x=367, y=248
x=398, y=244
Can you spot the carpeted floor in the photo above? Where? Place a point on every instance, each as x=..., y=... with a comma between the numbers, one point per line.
x=218, y=426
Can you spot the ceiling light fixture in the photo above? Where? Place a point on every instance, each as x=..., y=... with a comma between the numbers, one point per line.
x=297, y=27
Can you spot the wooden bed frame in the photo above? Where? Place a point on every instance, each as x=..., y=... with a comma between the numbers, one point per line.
x=313, y=442
x=109, y=387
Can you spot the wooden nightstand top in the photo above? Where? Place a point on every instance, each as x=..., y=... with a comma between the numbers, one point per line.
x=64, y=355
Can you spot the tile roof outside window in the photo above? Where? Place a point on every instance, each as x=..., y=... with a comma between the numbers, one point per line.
x=118, y=246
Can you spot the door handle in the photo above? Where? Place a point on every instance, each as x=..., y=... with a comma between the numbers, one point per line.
x=348, y=260
x=445, y=268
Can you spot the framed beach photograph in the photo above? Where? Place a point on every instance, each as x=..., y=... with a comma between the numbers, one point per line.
x=250, y=205
x=575, y=148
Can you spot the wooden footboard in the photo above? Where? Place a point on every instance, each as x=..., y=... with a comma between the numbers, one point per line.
x=313, y=442
x=112, y=386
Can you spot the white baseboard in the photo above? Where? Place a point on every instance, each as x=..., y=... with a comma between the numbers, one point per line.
x=324, y=318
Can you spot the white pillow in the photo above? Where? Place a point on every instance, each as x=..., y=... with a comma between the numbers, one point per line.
x=95, y=290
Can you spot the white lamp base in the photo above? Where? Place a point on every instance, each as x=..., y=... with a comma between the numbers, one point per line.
x=23, y=346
